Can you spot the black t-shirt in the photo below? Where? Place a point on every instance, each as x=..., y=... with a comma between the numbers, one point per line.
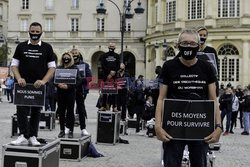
x=110, y=62
x=33, y=60
x=187, y=82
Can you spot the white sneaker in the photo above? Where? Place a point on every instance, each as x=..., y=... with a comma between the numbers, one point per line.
x=66, y=131
x=21, y=140
x=34, y=142
x=140, y=133
x=85, y=132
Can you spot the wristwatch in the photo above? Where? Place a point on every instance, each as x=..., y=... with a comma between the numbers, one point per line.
x=218, y=126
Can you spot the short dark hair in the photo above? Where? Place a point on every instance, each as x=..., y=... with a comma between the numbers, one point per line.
x=36, y=24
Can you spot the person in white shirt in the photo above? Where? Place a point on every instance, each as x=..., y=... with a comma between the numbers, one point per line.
x=235, y=108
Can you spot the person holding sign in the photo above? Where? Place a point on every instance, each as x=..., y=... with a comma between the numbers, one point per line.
x=209, y=52
x=189, y=78
x=33, y=63
x=81, y=90
x=66, y=93
x=110, y=63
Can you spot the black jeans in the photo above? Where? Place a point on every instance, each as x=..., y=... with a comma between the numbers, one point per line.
x=10, y=94
x=233, y=120
x=138, y=111
x=81, y=110
x=66, y=101
x=121, y=101
x=28, y=129
x=173, y=153
x=228, y=114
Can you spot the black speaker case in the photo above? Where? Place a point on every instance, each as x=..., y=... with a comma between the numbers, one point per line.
x=108, y=127
x=47, y=120
x=46, y=155
x=74, y=149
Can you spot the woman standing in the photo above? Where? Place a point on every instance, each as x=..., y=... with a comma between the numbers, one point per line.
x=66, y=97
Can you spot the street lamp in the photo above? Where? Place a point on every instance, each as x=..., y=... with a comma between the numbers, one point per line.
x=125, y=13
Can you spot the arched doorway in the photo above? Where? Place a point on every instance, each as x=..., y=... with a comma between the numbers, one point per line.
x=229, y=64
x=129, y=61
x=96, y=65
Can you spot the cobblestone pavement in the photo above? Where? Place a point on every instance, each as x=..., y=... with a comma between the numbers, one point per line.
x=141, y=150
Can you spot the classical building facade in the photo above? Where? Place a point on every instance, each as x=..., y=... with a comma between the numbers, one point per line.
x=3, y=17
x=71, y=24
x=3, y=30
x=228, y=23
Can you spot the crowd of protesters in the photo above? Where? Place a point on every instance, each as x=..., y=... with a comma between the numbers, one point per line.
x=234, y=103
x=136, y=98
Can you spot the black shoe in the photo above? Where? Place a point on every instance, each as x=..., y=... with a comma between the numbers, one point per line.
x=61, y=134
x=70, y=135
x=231, y=132
x=123, y=141
x=244, y=133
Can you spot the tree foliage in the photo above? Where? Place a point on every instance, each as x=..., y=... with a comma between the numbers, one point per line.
x=4, y=51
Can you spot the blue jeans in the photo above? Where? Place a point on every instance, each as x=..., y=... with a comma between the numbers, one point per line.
x=228, y=115
x=173, y=153
x=246, y=121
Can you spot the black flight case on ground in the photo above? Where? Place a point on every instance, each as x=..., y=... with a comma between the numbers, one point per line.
x=74, y=149
x=47, y=120
x=108, y=127
x=46, y=155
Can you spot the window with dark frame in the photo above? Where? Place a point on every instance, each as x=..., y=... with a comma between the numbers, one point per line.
x=25, y=4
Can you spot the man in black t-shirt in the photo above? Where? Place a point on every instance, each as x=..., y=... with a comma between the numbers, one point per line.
x=110, y=63
x=33, y=62
x=207, y=53
x=190, y=78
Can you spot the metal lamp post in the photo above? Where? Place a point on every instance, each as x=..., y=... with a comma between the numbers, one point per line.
x=124, y=13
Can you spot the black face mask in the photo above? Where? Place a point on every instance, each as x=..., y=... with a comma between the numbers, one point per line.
x=76, y=59
x=66, y=60
x=111, y=50
x=35, y=36
x=188, y=53
x=203, y=40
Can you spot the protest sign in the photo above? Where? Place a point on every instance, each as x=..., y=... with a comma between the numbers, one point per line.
x=29, y=95
x=67, y=76
x=109, y=87
x=81, y=68
x=210, y=57
x=189, y=119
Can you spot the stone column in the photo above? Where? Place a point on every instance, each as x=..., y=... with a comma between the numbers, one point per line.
x=246, y=11
x=180, y=14
x=158, y=56
x=208, y=6
x=245, y=64
x=159, y=12
x=150, y=13
x=245, y=19
x=148, y=68
x=211, y=14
